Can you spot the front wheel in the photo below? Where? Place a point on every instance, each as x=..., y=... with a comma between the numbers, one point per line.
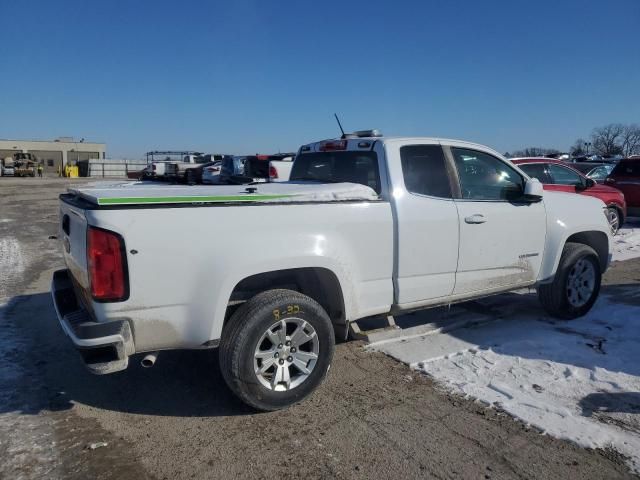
x=276, y=349
x=576, y=284
x=613, y=215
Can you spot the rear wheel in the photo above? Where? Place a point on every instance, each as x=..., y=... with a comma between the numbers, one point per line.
x=276, y=349
x=613, y=214
x=189, y=177
x=576, y=284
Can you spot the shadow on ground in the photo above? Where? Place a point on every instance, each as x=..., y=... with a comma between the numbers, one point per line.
x=182, y=383
x=606, y=402
x=188, y=383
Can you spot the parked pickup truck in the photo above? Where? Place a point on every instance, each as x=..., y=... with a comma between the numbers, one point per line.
x=190, y=168
x=158, y=162
x=367, y=226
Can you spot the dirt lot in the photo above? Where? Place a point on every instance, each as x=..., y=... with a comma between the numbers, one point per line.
x=373, y=418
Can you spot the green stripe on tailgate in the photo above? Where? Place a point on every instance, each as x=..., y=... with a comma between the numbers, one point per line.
x=192, y=199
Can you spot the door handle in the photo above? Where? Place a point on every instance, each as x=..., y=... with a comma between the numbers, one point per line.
x=477, y=218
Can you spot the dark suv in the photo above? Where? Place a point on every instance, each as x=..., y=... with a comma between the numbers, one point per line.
x=626, y=177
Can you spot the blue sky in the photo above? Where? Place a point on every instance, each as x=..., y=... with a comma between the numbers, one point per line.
x=261, y=76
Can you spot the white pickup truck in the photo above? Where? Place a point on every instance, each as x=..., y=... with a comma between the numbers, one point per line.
x=280, y=170
x=190, y=168
x=367, y=226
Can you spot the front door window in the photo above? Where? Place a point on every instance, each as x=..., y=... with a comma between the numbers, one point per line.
x=484, y=177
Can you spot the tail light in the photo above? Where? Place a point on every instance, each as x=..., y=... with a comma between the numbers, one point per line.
x=333, y=145
x=273, y=173
x=106, y=260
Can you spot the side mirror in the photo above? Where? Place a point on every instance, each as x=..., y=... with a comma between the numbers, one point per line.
x=533, y=190
x=586, y=183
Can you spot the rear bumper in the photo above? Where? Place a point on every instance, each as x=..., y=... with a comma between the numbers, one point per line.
x=104, y=346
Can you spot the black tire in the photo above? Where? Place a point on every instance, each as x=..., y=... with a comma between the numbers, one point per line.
x=244, y=330
x=613, y=212
x=189, y=177
x=554, y=296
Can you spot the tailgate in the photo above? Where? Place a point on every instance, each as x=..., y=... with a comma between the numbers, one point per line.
x=73, y=233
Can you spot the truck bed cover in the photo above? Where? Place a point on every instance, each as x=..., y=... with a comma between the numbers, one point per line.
x=144, y=193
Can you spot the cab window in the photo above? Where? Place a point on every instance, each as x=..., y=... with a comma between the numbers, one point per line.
x=336, y=167
x=424, y=170
x=485, y=177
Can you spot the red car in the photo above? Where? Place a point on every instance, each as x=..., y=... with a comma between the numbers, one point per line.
x=560, y=177
x=626, y=178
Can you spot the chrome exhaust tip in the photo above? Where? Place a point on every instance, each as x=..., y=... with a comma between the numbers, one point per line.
x=149, y=360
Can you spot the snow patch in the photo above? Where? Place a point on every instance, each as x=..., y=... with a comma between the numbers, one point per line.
x=626, y=244
x=27, y=441
x=577, y=380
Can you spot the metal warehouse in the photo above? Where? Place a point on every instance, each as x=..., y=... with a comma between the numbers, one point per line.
x=55, y=154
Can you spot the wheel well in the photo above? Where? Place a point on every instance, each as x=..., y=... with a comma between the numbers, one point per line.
x=596, y=240
x=318, y=283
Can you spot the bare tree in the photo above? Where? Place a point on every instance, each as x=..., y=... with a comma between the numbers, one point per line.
x=534, y=152
x=606, y=140
x=630, y=140
x=578, y=148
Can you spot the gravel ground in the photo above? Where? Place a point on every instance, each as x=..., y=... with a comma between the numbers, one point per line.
x=372, y=418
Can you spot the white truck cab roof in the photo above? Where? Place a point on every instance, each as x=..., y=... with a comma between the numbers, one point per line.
x=364, y=140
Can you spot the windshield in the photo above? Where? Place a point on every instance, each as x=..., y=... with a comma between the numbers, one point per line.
x=600, y=173
x=333, y=167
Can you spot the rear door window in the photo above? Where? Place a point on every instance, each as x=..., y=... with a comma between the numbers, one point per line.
x=424, y=169
x=336, y=167
x=537, y=170
x=564, y=176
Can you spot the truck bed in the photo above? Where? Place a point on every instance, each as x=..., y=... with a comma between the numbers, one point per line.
x=144, y=193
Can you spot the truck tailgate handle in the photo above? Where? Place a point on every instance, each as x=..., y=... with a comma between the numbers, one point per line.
x=477, y=218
